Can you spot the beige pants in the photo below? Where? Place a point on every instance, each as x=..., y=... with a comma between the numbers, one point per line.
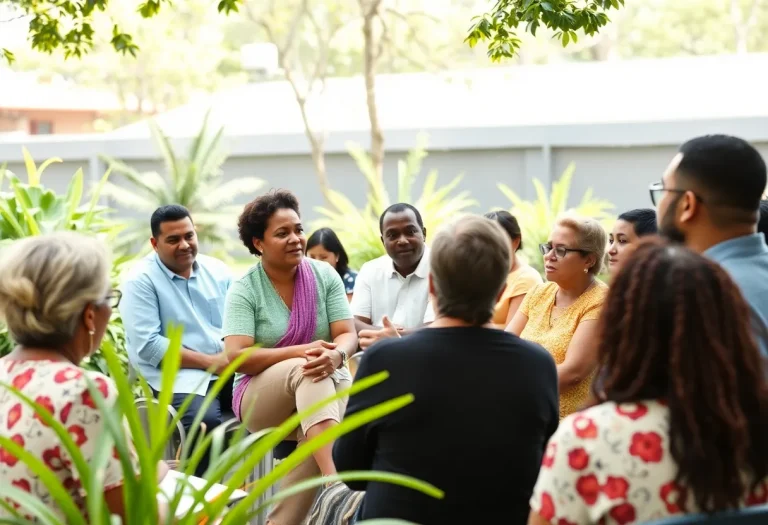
x=278, y=392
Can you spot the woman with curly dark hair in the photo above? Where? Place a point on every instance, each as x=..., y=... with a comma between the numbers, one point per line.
x=296, y=311
x=682, y=422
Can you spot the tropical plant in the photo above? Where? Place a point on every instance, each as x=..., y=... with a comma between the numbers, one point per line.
x=194, y=182
x=232, y=457
x=537, y=218
x=358, y=229
x=30, y=209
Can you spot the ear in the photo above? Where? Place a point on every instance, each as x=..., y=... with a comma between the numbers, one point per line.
x=258, y=244
x=424, y=232
x=89, y=318
x=382, y=240
x=688, y=207
x=153, y=242
x=515, y=245
x=592, y=260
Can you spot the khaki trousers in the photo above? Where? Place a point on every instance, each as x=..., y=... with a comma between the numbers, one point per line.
x=277, y=393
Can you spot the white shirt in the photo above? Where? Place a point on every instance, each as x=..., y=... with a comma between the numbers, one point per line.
x=380, y=291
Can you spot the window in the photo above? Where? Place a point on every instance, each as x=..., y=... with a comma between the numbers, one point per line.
x=41, y=127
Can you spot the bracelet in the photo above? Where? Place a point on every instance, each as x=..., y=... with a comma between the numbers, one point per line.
x=343, y=357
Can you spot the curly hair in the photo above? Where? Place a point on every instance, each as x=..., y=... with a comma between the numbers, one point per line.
x=253, y=221
x=676, y=328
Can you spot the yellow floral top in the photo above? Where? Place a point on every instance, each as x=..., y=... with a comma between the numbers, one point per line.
x=519, y=282
x=555, y=334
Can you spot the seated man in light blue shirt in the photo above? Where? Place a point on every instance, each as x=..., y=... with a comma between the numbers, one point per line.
x=709, y=199
x=175, y=285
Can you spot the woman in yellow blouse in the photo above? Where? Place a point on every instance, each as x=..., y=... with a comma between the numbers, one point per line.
x=562, y=314
x=521, y=279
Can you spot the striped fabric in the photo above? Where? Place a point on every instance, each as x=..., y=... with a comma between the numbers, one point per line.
x=336, y=505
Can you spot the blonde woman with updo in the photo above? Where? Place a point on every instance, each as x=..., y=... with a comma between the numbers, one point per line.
x=561, y=315
x=56, y=301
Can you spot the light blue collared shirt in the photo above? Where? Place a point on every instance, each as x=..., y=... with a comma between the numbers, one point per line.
x=746, y=260
x=154, y=297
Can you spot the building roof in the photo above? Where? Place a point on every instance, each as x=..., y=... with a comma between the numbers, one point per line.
x=19, y=91
x=569, y=93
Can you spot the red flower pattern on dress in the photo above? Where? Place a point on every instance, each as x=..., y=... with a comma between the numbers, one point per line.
x=578, y=458
x=68, y=374
x=78, y=434
x=759, y=495
x=46, y=403
x=584, y=427
x=632, y=411
x=87, y=400
x=52, y=458
x=21, y=380
x=22, y=484
x=588, y=488
x=6, y=456
x=549, y=455
x=547, y=507
x=647, y=446
x=616, y=488
x=64, y=414
x=674, y=497
x=14, y=415
x=563, y=521
x=623, y=514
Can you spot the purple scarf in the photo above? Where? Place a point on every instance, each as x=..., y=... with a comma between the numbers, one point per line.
x=301, y=325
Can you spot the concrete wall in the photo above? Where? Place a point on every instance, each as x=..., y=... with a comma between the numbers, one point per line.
x=618, y=161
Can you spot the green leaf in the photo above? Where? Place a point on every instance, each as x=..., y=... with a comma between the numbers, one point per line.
x=74, y=197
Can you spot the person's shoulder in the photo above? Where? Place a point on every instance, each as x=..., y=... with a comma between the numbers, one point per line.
x=323, y=269
x=142, y=270
x=374, y=265
x=75, y=382
x=248, y=282
x=213, y=265
x=543, y=289
x=532, y=274
x=599, y=292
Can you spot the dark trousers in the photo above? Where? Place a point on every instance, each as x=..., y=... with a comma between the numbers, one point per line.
x=217, y=413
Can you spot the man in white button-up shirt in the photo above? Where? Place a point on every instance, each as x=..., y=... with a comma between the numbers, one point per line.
x=392, y=292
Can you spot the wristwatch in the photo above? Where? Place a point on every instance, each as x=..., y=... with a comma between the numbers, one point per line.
x=344, y=358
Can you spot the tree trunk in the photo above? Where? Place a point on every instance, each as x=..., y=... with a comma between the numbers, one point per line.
x=742, y=24
x=372, y=48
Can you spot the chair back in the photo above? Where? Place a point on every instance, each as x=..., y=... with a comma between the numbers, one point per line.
x=179, y=437
x=757, y=515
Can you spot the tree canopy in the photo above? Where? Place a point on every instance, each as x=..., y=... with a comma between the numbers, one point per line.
x=567, y=18
x=68, y=24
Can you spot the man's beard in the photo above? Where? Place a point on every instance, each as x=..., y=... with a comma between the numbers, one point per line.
x=668, y=228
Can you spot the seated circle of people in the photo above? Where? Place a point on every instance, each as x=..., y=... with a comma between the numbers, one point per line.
x=295, y=309
x=56, y=300
x=324, y=245
x=709, y=199
x=176, y=285
x=466, y=441
x=677, y=425
x=391, y=295
x=561, y=315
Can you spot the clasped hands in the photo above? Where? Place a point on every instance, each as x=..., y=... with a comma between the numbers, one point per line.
x=368, y=337
x=322, y=360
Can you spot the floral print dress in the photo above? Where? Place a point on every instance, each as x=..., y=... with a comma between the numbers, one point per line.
x=60, y=387
x=611, y=465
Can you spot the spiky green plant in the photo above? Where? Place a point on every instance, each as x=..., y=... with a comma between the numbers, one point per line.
x=30, y=209
x=358, y=228
x=537, y=218
x=231, y=457
x=195, y=182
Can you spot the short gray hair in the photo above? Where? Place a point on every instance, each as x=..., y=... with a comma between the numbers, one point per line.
x=45, y=284
x=470, y=262
x=590, y=237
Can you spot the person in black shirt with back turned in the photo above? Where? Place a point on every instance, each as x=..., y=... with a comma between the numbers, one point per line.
x=486, y=401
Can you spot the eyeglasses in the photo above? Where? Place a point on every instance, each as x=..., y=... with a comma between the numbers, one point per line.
x=560, y=251
x=113, y=298
x=657, y=188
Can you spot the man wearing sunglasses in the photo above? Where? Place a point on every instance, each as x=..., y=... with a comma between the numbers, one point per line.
x=709, y=199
